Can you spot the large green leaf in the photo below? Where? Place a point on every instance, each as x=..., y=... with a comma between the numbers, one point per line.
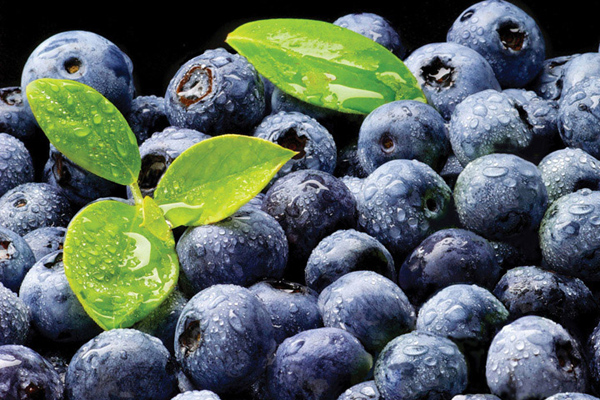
x=213, y=178
x=325, y=64
x=119, y=269
x=87, y=128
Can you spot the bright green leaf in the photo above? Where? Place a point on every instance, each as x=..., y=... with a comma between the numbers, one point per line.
x=325, y=64
x=119, y=269
x=215, y=177
x=154, y=219
x=87, y=128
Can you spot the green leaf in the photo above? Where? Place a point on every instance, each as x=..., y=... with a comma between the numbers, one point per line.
x=87, y=128
x=118, y=268
x=325, y=64
x=215, y=177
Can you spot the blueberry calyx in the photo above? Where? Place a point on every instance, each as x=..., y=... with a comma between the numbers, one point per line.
x=32, y=392
x=11, y=96
x=153, y=168
x=7, y=249
x=511, y=35
x=286, y=286
x=72, y=65
x=438, y=74
x=196, y=84
x=291, y=140
x=387, y=143
x=190, y=338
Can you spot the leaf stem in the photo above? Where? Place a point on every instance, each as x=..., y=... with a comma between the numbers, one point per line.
x=138, y=198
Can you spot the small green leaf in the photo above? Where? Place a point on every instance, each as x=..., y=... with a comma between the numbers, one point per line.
x=215, y=177
x=87, y=128
x=154, y=219
x=325, y=64
x=118, y=268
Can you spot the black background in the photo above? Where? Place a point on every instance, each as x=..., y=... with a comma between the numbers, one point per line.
x=159, y=37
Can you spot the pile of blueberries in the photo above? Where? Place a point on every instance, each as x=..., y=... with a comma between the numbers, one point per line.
x=447, y=250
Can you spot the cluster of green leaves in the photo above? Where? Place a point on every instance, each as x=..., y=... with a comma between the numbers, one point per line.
x=119, y=255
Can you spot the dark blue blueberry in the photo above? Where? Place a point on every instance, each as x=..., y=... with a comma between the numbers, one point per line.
x=407, y=129
x=85, y=57
x=500, y=195
x=33, y=205
x=56, y=313
x=15, y=117
x=161, y=322
x=548, y=84
x=369, y=306
x=344, y=251
x=508, y=37
x=309, y=205
x=533, y=358
x=446, y=257
x=569, y=236
x=376, y=28
x=216, y=92
x=317, y=364
x=572, y=396
x=476, y=396
x=147, y=116
x=224, y=339
x=593, y=358
x=16, y=258
x=578, y=114
x=121, y=364
x=366, y=390
x=26, y=375
x=299, y=132
x=241, y=249
x=531, y=290
x=76, y=183
x=580, y=67
x=567, y=170
x=16, y=164
x=449, y=72
x=293, y=307
x=470, y=316
x=45, y=240
x=15, y=319
x=197, y=395
x=401, y=203
x=419, y=365
x=491, y=122
x=160, y=150
x=256, y=201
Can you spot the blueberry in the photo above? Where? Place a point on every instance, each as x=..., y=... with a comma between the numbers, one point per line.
x=15, y=117
x=162, y=321
x=366, y=390
x=317, y=364
x=224, y=338
x=85, y=57
x=293, y=307
x=531, y=290
x=16, y=258
x=548, y=84
x=419, y=365
x=299, y=132
x=56, y=313
x=197, y=395
x=26, y=375
x=216, y=92
x=241, y=249
x=469, y=315
x=45, y=240
x=401, y=203
x=309, y=205
x=407, y=129
x=16, y=163
x=489, y=122
x=160, y=150
x=76, y=183
x=147, y=116
x=376, y=28
x=15, y=319
x=578, y=114
x=508, y=37
x=446, y=257
x=344, y=251
x=571, y=396
x=580, y=67
x=569, y=237
x=449, y=72
x=533, y=358
x=593, y=355
x=33, y=205
x=121, y=364
x=500, y=195
x=369, y=306
x=476, y=396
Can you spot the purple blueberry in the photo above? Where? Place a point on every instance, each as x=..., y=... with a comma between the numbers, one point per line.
x=16, y=163
x=15, y=318
x=16, y=258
